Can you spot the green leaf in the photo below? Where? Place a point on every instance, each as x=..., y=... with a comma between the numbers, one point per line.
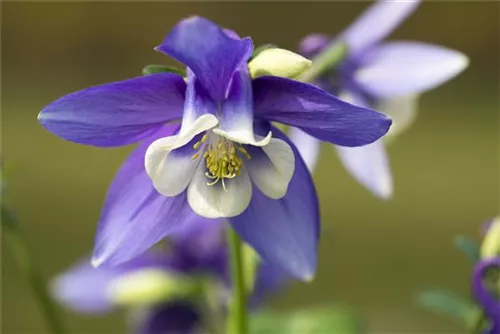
x=467, y=246
x=152, y=69
x=261, y=48
x=316, y=320
x=448, y=303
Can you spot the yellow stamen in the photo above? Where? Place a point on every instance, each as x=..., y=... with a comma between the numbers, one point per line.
x=223, y=161
x=195, y=156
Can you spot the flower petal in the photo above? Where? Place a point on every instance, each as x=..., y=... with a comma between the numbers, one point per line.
x=316, y=112
x=284, y=232
x=405, y=68
x=402, y=109
x=208, y=51
x=236, y=123
x=178, y=317
x=377, y=22
x=118, y=113
x=95, y=297
x=135, y=216
x=215, y=201
x=67, y=288
x=369, y=165
x=271, y=167
x=308, y=147
x=170, y=161
x=197, y=102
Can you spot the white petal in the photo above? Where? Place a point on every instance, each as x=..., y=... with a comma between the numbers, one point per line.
x=215, y=202
x=403, y=110
x=171, y=173
x=369, y=165
x=308, y=146
x=271, y=168
x=406, y=68
x=244, y=137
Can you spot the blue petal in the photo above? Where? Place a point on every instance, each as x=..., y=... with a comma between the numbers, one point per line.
x=118, y=113
x=405, y=68
x=135, y=216
x=284, y=232
x=84, y=288
x=316, y=112
x=197, y=102
x=237, y=110
x=179, y=317
x=68, y=288
x=377, y=22
x=207, y=50
x=483, y=295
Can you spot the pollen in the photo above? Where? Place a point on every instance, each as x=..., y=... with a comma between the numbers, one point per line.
x=223, y=161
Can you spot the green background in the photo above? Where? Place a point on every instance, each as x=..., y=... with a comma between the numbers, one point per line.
x=374, y=255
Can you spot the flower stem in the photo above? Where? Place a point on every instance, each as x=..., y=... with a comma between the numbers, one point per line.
x=324, y=61
x=27, y=265
x=237, y=322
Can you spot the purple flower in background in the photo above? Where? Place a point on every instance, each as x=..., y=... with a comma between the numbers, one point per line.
x=484, y=297
x=145, y=285
x=225, y=160
x=386, y=76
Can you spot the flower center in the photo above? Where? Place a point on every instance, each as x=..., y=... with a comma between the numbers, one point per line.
x=222, y=159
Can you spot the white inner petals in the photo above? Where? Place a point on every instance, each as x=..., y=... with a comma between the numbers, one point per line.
x=171, y=173
x=244, y=137
x=218, y=170
x=273, y=168
x=216, y=201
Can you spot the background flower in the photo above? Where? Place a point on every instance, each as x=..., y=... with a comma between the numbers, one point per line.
x=387, y=76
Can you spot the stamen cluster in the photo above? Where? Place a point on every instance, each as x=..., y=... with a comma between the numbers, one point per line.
x=222, y=159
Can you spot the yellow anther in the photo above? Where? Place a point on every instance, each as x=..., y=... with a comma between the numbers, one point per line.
x=204, y=138
x=222, y=162
x=195, y=156
x=196, y=145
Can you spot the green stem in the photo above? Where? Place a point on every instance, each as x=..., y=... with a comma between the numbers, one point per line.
x=27, y=265
x=325, y=61
x=237, y=322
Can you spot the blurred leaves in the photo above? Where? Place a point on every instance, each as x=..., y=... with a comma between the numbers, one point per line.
x=315, y=320
x=448, y=303
x=467, y=246
x=152, y=69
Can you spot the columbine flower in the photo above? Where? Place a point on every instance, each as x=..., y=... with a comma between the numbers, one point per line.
x=385, y=76
x=485, y=297
x=156, y=285
x=225, y=160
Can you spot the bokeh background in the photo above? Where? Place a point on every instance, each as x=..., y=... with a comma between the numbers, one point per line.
x=374, y=255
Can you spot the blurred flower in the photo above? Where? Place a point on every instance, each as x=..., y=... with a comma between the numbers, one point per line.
x=388, y=77
x=486, y=297
x=162, y=287
x=491, y=241
x=225, y=160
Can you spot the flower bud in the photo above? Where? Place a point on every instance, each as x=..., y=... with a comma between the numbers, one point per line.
x=491, y=242
x=278, y=62
x=148, y=286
